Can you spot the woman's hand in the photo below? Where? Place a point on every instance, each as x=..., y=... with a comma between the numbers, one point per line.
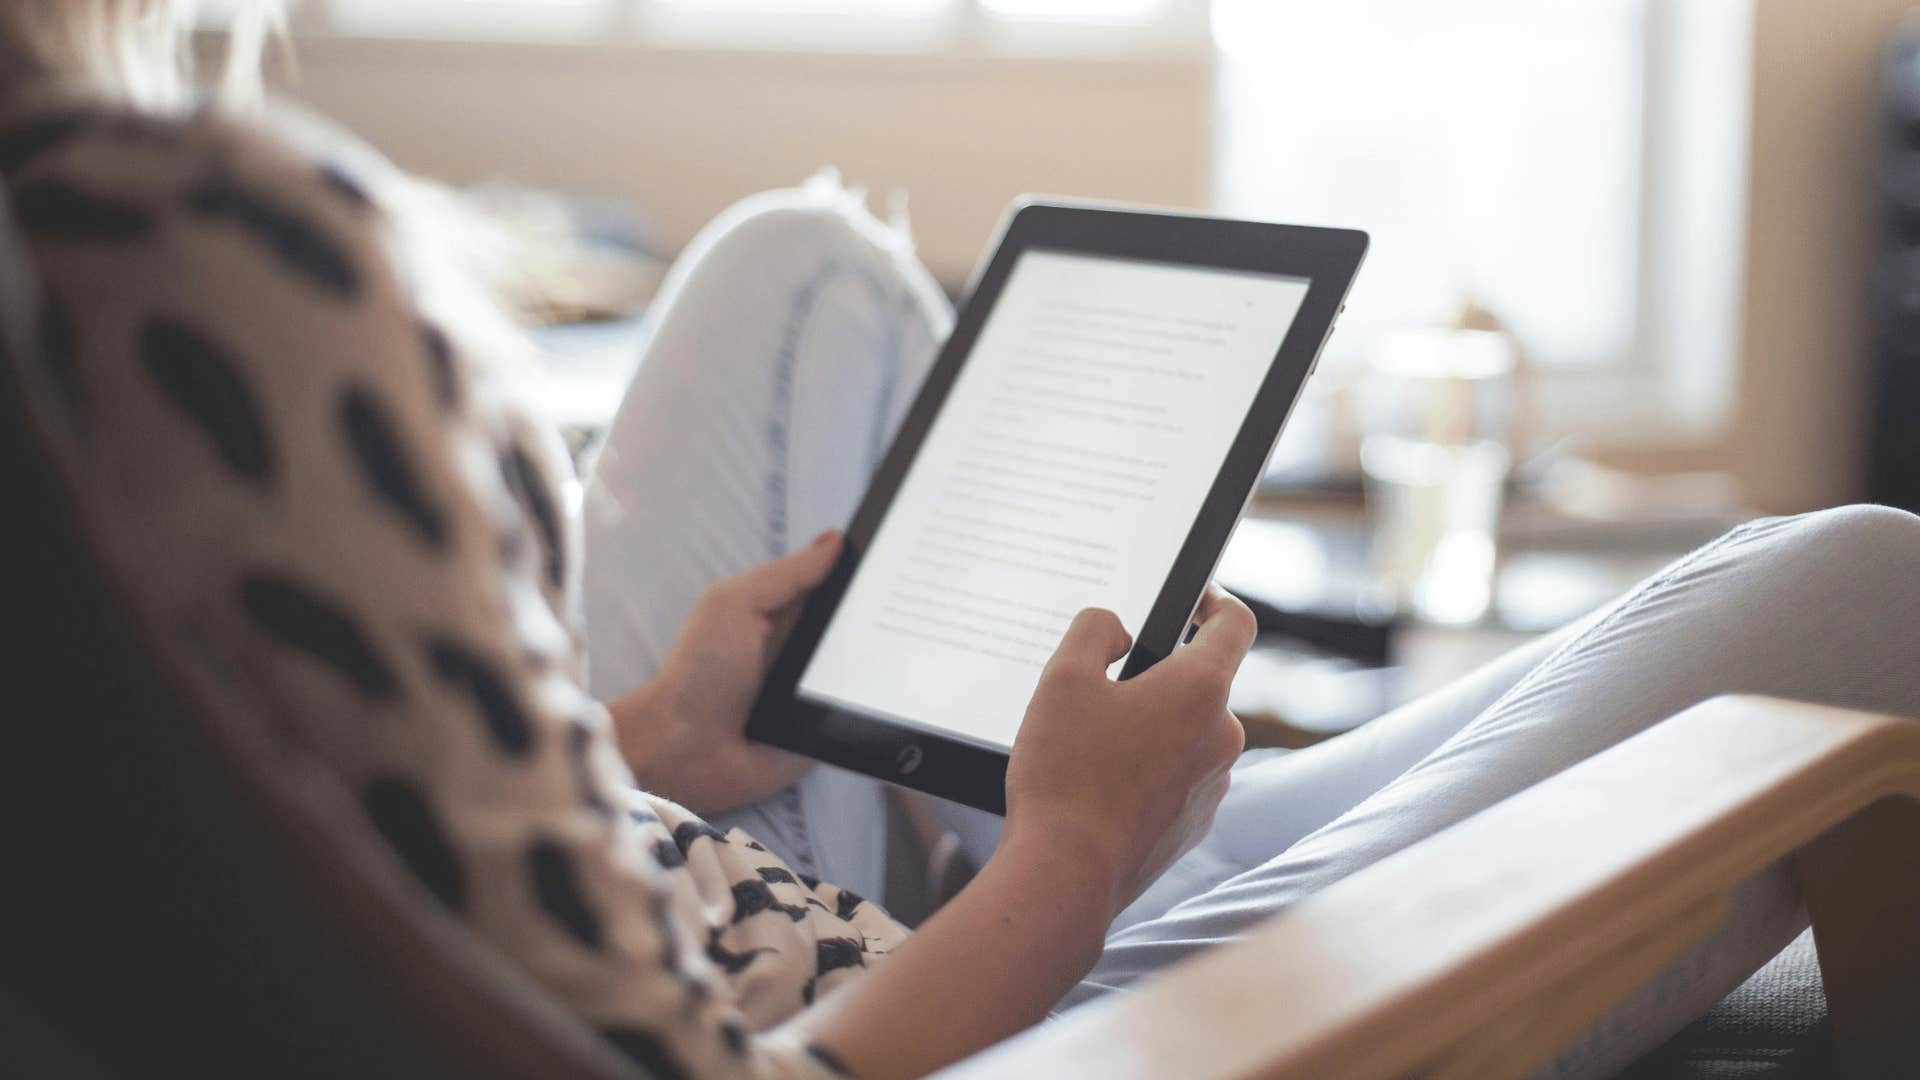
x=1109, y=783
x=1130, y=771
x=683, y=733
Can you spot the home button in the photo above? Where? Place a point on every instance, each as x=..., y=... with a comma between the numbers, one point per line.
x=909, y=759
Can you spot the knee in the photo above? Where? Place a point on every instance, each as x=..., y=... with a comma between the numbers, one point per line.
x=1861, y=534
x=1862, y=552
x=817, y=228
x=814, y=246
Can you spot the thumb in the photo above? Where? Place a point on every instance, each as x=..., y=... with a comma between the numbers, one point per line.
x=772, y=586
x=1094, y=639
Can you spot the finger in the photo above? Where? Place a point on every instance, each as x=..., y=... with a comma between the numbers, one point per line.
x=1226, y=628
x=772, y=586
x=1095, y=639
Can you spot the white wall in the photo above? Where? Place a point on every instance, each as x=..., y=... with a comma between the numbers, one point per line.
x=685, y=132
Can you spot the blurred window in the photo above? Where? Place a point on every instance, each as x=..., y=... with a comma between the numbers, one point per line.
x=1494, y=149
x=1536, y=158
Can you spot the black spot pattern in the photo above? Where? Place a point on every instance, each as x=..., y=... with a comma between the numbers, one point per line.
x=750, y=898
x=579, y=752
x=375, y=441
x=837, y=952
x=217, y=396
x=59, y=346
x=530, y=488
x=22, y=144
x=297, y=617
x=647, y=1051
x=440, y=366
x=290, y=239
x=733, y=963
x=340, y=183
x=809, y=881
x=60, y=212
x=203, y=381
x=402, y=816
x=846, y=904
x=468, y=674
x=550, y=869
x=829, y=1059
x=669, y=855
x=687, y=832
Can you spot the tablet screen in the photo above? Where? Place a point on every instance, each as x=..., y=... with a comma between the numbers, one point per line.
x=1074, y=451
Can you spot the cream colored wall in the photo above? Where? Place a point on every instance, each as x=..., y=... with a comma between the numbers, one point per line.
x=1799, y=435
x=684, y=132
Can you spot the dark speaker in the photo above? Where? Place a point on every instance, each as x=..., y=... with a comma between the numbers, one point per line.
x=1894, y=457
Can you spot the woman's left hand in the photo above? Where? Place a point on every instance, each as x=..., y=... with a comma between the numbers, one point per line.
x=683, y=733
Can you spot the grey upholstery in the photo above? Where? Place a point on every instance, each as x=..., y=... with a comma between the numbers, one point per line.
x=1774, y=1026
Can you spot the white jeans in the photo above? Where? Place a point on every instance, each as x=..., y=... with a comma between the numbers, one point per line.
x=787, y=343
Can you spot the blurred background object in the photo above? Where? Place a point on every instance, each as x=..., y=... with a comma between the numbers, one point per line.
x=1435, y=457
x=1672, y=205
x=1687, y=230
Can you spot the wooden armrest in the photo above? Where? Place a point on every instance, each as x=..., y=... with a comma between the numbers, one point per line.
x=1479, y=951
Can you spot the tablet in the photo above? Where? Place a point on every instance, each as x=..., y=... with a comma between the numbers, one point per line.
x=1088, y=437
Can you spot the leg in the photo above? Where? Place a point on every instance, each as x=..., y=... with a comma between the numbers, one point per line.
x=1818, y=608
x=787, y=343
x=1275, y=802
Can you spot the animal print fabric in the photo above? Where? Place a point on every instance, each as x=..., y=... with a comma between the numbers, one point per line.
x=307, y=479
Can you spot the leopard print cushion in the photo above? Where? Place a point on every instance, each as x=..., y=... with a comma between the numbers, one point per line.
x=310, y=480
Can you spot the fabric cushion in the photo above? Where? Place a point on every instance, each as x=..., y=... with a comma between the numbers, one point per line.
x=1774, y=1025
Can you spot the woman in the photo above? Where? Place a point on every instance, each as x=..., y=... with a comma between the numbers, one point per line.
x=293, y=429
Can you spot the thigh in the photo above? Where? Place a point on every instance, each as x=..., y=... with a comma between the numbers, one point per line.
x=1277, y=799
x=786, y=344
x=1821, y=607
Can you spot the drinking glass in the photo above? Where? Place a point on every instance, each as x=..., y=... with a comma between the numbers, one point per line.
x=1436, y=410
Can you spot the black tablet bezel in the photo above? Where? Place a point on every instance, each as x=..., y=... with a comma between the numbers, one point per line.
x=967, y=772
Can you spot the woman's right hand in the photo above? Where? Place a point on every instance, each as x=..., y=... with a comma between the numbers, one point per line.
x=1109, y=782
x=1129, y=773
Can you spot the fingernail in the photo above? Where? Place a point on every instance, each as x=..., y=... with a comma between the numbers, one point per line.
x=823, y=538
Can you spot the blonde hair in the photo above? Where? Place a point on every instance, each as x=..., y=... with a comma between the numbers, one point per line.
x=136, y=51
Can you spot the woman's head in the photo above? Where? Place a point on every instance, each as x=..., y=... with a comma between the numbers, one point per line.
x=133, y=50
